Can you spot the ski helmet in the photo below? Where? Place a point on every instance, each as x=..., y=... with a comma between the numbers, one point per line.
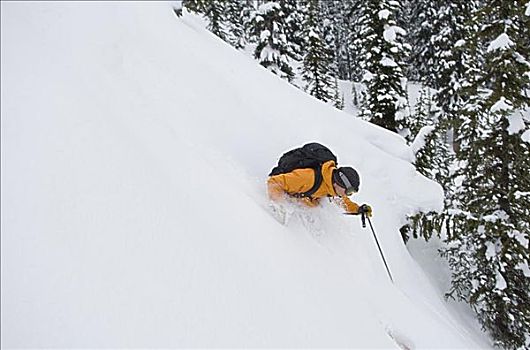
x=347, y=178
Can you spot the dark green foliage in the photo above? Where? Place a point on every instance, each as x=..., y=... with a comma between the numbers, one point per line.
x=424, y=225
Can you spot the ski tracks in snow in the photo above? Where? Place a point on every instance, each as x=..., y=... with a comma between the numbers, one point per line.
x=400, y=340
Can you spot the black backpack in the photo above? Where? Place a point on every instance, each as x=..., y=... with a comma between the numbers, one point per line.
x=311, y=155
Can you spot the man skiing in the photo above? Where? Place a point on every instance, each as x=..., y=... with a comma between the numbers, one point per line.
x=310, y=173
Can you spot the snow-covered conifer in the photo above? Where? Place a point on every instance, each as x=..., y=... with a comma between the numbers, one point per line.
x=214, y=11
x=196, y=6
x=237, y=16
x=354, y=20
x=177, y=8
x=382, y=61
x=489, y=248
x=433, y=159
x=427, y=135
x=269, y=30
x=452, y=73
x=338, y=33
x=294, y=16
x=420, y=25
x=338, y=97
x=328, y=35
x=316, y=70
x=454, y=63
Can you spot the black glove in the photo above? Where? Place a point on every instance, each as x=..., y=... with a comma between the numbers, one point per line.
x=365, y=209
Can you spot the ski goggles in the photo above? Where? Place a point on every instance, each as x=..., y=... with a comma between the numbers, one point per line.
x=347, y=185
x=350, y=191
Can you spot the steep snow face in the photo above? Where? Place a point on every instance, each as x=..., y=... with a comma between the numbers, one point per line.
x=135, y=149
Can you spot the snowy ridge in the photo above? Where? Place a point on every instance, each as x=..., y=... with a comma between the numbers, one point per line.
x=134, y=214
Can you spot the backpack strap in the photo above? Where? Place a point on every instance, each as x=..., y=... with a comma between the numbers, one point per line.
x=316, y=185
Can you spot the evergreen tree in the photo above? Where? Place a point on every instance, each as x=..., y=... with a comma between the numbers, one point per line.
x=355, y=21
x=452, y=76
x=334, y=33
x=489, y=239
x=328, y=35
x=215, y=13
x=237, y=13
x=269, y=30
x=357, y=93
x=432, y=159
x=432, y=153
x=316, y=70
x=338, y=33
x=382, y=61
x=294, y=17
x=338, y=98
x=420, y=26
x=197, y=6
x=453, y=64
x=177, y=8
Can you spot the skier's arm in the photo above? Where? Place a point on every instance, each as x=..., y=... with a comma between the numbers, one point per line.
x=276, y=187
x=297, y=181
x=310, y=202
x=348, y=205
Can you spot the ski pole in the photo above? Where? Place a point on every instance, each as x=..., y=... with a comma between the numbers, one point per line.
x=378, y=246
x=363, y=220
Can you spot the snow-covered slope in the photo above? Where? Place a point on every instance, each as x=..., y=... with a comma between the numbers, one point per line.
x=135, y=149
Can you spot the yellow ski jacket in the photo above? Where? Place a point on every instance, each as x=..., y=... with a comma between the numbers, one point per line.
x=302, y=180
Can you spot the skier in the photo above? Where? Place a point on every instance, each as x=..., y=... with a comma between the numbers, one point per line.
x=307, y=174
